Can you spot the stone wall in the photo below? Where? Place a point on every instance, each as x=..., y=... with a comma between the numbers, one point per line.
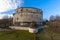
x=19, y=28
x=31, y=30
x=28, y=15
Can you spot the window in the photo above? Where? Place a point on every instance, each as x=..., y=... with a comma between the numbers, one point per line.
x=24, y=24
x=17, y=18
x=26, y=9
x=21, y=9
x=16, y=23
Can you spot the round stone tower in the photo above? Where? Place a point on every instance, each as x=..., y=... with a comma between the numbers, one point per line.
x=28, y=17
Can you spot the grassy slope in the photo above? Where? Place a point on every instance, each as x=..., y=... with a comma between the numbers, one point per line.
x=16, y=35
x=25, y=35
x=47, y=36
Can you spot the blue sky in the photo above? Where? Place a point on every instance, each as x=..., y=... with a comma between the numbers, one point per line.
x=49, y=7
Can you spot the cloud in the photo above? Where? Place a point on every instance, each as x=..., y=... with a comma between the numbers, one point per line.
x=5, y=15
x=6, y=5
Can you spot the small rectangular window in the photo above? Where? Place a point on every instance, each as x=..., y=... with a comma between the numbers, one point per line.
x=17, y=18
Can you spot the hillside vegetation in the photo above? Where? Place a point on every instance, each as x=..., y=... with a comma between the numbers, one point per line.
x=51, y=31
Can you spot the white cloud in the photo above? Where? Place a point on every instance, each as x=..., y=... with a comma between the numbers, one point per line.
x=5, y=15
x=6, y=5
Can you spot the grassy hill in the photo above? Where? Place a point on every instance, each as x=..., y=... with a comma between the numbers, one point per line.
x=25, y=35
x=16, y=35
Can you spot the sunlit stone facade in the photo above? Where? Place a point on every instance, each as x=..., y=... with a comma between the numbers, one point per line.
x=27, y=18
x=26, y=15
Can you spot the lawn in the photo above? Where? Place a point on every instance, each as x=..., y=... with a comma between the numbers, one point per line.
x=16, y=35
x=47, y=36
x=25, y=35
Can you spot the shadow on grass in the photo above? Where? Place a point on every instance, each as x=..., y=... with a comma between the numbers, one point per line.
x=40, y=31
x=36, y=34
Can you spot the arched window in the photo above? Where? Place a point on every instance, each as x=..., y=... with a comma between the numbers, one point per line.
x=21, y=9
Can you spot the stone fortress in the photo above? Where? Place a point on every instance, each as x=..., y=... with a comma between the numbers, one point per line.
x=27, y=18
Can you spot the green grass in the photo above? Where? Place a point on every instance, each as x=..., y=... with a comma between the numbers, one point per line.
x=16, y=35
x=25, y=35
x=47, y=36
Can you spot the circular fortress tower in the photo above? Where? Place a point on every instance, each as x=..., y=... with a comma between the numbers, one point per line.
x=28, y=17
